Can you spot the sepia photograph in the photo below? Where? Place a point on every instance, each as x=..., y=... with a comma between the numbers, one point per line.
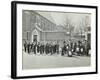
x=55, y=39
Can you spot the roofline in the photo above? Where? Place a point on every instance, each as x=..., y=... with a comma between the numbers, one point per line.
x=41, y=15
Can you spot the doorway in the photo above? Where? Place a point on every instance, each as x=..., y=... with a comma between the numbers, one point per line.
x=35, y=38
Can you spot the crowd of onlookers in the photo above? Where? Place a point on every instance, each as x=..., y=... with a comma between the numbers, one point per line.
x=70, y=49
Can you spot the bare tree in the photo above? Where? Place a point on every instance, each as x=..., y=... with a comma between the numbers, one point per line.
x=83, y=25
x=69, y=26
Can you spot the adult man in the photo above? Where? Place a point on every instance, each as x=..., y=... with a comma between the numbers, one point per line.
x=51, y=48
x=29, y=47
x=41, y=48
x=54, y=48
x=78, y=49
x=74, y=49
x=88, y=48
x=32, y=47
x=85, y=47
x=25, y=46
x=38, y=47
x=57, y=47
x=47, y=48
x=35, y=48
x=64, y=48
x=81, y=49
x=68, y=50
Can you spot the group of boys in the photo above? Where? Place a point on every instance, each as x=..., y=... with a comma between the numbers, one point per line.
x=37, y=47
x=78, y=48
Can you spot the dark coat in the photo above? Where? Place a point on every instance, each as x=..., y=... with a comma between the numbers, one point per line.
x=82, y=49
x=74, y=47
x=64, y=49
x=42, y=49
x=29, y=48
x=47, y=48
x=54, y=48
x=57, y=48
x=51, y=49
x=25, y=46
x=38, y=48
x=34, y=48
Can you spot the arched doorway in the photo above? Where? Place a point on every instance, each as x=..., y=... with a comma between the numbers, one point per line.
x=35, y=36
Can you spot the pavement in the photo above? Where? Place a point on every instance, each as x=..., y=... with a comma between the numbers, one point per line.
x=32, y=61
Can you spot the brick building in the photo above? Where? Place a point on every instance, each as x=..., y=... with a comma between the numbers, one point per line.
x=37, y=27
